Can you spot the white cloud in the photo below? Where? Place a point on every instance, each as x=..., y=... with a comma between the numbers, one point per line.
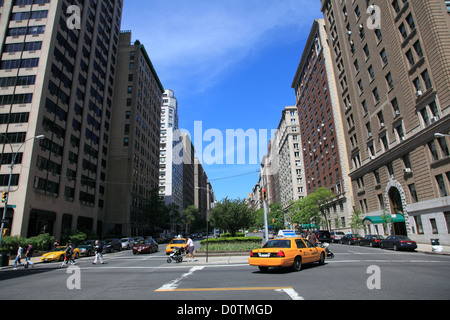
x=195, y=41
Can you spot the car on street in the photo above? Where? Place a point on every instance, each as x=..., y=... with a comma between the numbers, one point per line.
x=286, y=252
x=323, y=236
x=371, y=240
x=176, y=243
x=336, y=235
x=350, y=238
x=398, y=242
x=127, y=243
x=87, y=248
x=58, y=254
x=145, y=246
x=111, y=245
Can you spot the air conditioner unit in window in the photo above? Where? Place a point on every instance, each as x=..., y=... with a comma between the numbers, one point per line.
x=418, y=93
x=407, y=170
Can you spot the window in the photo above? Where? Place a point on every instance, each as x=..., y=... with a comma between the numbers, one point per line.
x=433, y=150
x=410, y=21
x=441, y=185
x=402, y=30
x=410, y=57
x=389, y=81
x=426, y=79
x=384, y=57
x=371, y=73
x=418, y=48
x=376, y=95
x=366, y=51
x=413, y=192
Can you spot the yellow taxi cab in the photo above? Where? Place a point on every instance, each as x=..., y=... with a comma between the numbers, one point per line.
x=286, y=252
x=176, y=243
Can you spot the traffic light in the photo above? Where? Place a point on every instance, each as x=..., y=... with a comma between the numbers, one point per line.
x=4, y=196
x=264, y=194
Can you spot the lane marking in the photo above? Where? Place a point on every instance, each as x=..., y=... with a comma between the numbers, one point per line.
x=288, y=290
x=174, y=283
x=292, y=293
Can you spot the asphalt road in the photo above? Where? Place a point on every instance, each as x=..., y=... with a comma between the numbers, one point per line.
x=359, y=273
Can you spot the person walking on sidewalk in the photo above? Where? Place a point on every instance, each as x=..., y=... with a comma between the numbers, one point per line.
x=98, y=247
x=190, y=248
x=19, y=256
x=28, y=255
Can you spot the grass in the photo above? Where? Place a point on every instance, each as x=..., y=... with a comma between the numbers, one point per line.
x=231, y=246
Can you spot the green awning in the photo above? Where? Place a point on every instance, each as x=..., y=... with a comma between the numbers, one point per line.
x=378, y=220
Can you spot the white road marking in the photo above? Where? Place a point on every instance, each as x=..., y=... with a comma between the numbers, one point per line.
x=174, y=283
x=291, y=293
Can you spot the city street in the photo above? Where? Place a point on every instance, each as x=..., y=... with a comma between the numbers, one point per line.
x=396, y=275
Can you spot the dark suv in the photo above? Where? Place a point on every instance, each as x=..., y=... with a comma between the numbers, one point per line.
x=323, y=236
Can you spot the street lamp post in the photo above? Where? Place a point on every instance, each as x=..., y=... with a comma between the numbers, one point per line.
x=207, y=222
x=441, y=135
x=13, y=161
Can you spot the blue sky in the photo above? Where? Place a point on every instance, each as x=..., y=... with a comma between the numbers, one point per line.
x=230, y=64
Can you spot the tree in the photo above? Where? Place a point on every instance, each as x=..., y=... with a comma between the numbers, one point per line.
x=156, y=213
x=276, y=216
x=356, y=220
x=232, y=215
x=189, y=216
x=311, y=208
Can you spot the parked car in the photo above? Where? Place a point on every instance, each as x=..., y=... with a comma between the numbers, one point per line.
x=111, y=245
x=87, y=248
x=127, y=243
x=323, y=235
x=398, y=242
x=350, y=238
x=336, y=235
x=145, y=246
x=372, y=240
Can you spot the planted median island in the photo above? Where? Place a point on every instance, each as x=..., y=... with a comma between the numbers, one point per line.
x=244, y=244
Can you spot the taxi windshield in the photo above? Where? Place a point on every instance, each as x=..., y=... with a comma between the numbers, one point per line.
x=277, y=244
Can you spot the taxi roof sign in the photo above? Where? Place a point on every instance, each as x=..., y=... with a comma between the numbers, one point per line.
x=286, y=233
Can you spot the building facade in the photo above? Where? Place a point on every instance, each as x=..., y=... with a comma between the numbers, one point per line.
x=133, y=166
x=57, y=79
x=188, y=171
x=392, y=60
x=321, y=132
x=171, y=155
x=288, y=165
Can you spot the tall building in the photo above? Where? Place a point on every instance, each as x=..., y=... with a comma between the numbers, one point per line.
x=289, y=162
x=321, y=132
x=188, y=171
x=171, y=152
x=392, y=60
x=133, y=165
x=57, y=79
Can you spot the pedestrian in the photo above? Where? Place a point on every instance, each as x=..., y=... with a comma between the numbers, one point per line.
x=68, y=252
x=19, y=256
x=313, y=239
x=190, y=248
x=28, y=255
x=55, y=244
x=98, y=247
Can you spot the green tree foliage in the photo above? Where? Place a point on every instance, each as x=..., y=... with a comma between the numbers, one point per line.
x=232, y=215
x=311, y=209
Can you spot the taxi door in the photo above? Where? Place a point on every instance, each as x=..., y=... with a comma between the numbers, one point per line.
x=313, y=252
x=303, y=249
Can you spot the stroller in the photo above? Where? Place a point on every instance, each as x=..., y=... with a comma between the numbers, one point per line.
x=330, y=254
x=176, y=255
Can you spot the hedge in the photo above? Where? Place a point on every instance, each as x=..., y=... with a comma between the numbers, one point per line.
x=232, y=239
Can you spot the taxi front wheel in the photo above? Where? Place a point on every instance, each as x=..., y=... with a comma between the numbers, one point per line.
x=297, y=266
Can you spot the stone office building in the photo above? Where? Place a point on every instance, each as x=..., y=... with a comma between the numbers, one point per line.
x=392, y=61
